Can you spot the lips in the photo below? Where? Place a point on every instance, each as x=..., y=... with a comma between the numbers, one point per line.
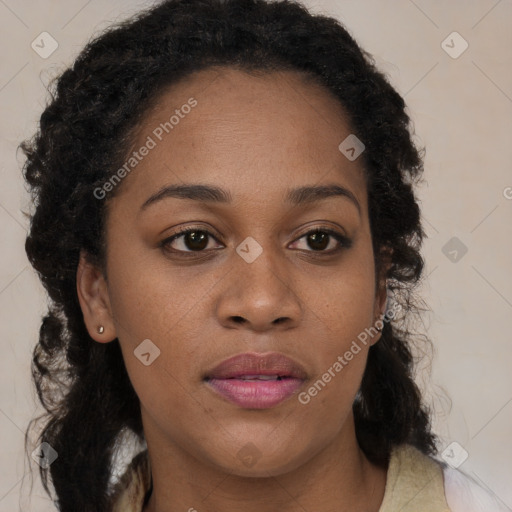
x=253, y=381
x=252, y=366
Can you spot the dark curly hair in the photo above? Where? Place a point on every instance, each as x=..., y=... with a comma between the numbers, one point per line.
x=85, y=133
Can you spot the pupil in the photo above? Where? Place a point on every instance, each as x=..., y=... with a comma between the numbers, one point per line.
x=198, y=239
x=319, y=238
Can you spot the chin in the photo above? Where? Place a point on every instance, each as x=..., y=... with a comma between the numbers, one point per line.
x=252, y=463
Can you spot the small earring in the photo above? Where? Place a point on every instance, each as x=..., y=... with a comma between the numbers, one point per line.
x=100, y=329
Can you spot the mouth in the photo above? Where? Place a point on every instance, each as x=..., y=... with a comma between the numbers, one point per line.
x=255, y=381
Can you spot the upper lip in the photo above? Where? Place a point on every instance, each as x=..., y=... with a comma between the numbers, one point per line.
x=252, y=363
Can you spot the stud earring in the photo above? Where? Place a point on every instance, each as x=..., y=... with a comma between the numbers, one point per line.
x=100, y=329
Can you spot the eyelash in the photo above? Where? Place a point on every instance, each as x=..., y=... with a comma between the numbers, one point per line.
x=345, y=242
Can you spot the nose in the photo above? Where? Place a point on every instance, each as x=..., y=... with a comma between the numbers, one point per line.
x=259, y=296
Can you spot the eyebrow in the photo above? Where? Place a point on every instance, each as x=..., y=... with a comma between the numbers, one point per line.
x=213, y=194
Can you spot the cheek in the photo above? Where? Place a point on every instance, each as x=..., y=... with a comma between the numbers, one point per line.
x=346, y=310
x=151, y=301
x=345, y=302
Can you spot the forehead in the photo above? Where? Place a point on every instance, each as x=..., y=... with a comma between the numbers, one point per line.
x=256, y=135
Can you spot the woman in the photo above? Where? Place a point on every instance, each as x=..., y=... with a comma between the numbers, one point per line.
x=227, y=229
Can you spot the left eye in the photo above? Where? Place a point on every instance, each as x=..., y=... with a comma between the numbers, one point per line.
x=196, y=240
x=319, y=240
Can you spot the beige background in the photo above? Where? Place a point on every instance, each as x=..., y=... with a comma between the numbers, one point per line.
x=462, y=110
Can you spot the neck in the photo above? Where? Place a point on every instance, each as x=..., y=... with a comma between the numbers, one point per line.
x=337, y=479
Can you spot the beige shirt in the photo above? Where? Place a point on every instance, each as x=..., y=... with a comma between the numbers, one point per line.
x=414, y=484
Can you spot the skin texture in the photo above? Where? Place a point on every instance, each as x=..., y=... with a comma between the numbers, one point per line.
x=256, y=137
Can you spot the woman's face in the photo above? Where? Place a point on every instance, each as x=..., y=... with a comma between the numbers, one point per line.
x=257, y=282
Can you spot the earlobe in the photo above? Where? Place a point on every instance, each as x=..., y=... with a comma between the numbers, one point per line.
x=94, y=301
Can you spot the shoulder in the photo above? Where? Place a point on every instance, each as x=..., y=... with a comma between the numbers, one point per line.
x=414, y=482
x=464, y=494
x=130, y=492
x=423, y=483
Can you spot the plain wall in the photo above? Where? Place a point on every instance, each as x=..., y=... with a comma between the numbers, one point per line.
x=462, y=112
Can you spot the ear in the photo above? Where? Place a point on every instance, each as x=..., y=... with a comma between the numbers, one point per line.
x=381, y=291
x=92, y=291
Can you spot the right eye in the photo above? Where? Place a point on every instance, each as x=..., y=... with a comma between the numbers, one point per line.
x=191, y=239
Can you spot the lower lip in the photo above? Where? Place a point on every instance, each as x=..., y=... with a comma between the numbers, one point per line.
x=256, y=394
